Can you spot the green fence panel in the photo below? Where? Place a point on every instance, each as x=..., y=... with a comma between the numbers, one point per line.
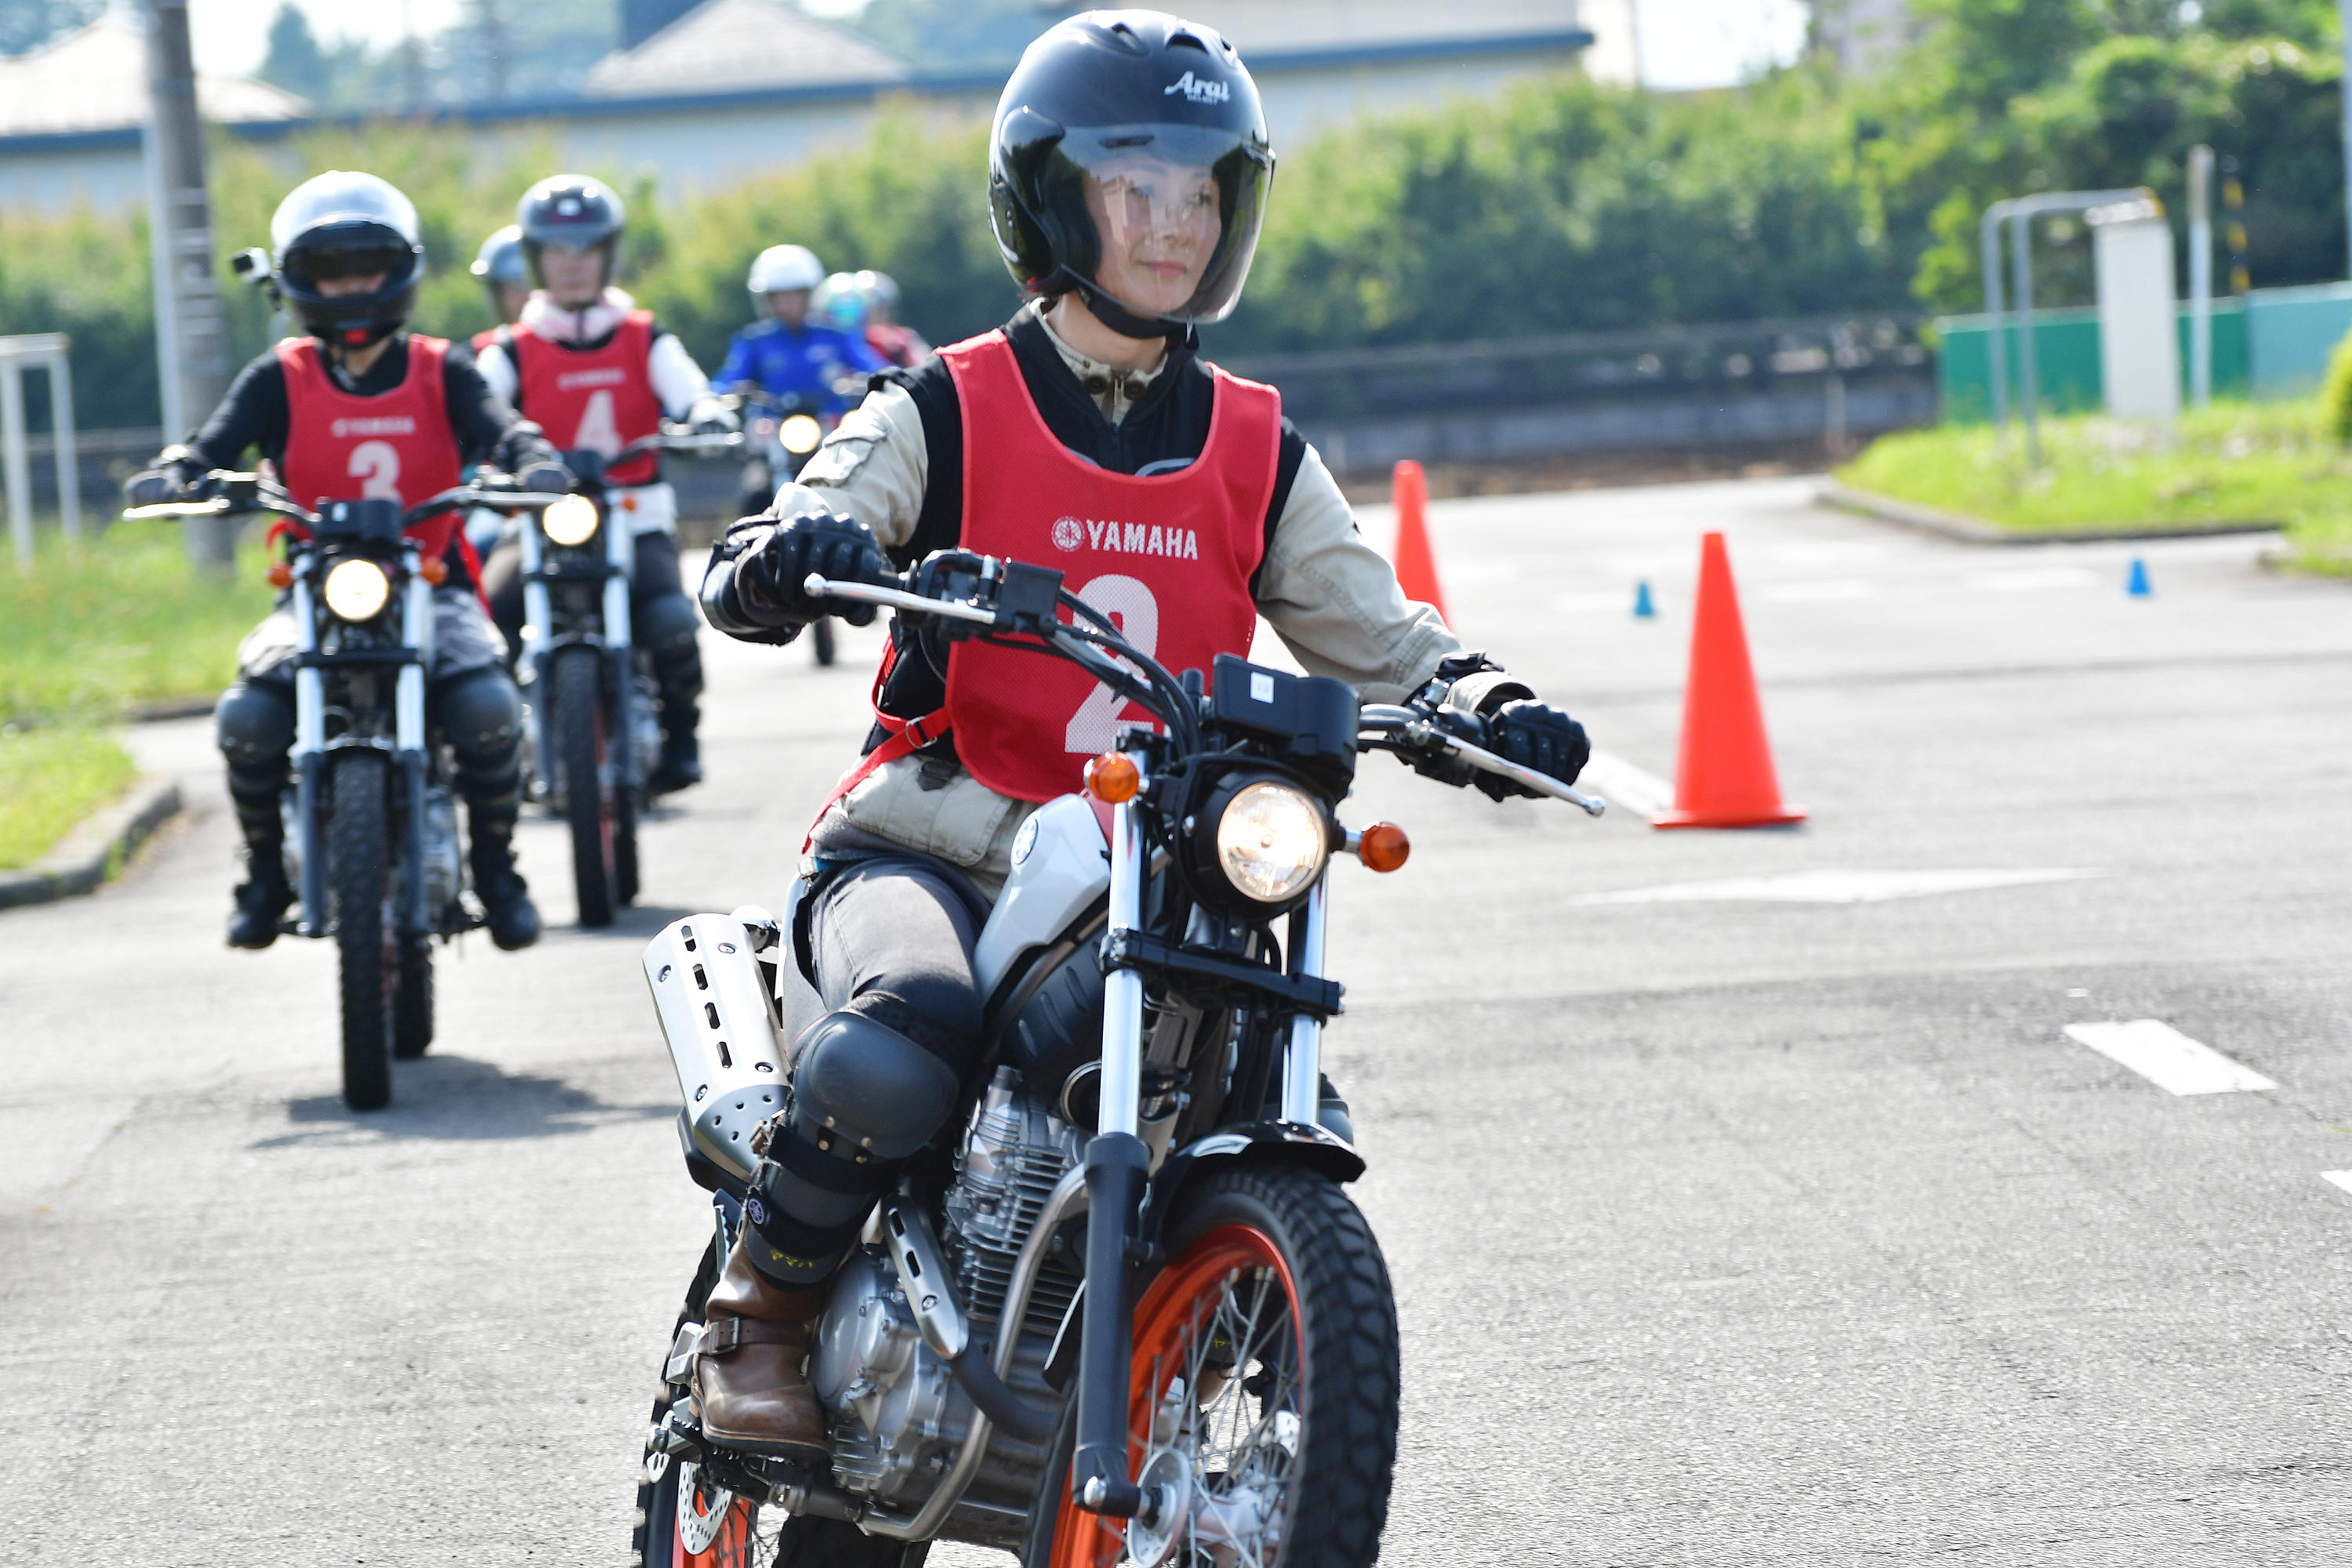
x=2066, y=361
x=2290, y=332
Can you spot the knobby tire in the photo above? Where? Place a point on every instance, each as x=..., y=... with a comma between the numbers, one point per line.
x=359, y=845
x=581, y=746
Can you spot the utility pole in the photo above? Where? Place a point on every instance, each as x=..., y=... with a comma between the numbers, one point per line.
x=2343, y=10
x=2201, y=275
x=191, y=333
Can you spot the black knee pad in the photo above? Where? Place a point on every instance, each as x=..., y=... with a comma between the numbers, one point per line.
x=666, y=623
x=254, y=723
x=481, y=713
x=862, y=1086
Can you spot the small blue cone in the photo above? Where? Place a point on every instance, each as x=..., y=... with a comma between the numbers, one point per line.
x=1644, y=610
x=2135, y=586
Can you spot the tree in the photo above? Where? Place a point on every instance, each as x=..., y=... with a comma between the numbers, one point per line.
x=296, y=61
x=29, y=24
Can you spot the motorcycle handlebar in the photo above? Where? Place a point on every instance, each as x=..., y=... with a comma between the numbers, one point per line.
x=1413, y=728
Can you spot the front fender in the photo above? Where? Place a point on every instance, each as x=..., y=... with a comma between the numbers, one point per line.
x=1251, y=1143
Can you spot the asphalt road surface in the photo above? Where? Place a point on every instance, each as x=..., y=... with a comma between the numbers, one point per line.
x=1748, y=1199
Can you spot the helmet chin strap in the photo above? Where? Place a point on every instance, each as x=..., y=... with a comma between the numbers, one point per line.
x=1121, y=319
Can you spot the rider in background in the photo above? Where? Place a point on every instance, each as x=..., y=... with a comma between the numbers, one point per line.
x=599, y=373
x=1129, y=174
x=792, y=353
x=362, y=408
x=901, y=345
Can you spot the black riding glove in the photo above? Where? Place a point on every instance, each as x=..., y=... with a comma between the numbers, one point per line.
x=545, y=479
x=153, y=487
x=767, y=580
x=1535, y=735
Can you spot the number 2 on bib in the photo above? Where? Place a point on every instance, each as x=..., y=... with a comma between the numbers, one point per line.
x=1095, y=726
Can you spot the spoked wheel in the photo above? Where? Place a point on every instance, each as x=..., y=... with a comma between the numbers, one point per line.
x=366, y=940
x=1263, y=1410
x=821, y=634
x=716, y=1529
x=581, y=749
x=412, y=1002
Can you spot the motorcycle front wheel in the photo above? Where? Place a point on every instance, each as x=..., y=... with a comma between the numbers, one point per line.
x=1262, y=1407
x=367, y=943
x=577, y=714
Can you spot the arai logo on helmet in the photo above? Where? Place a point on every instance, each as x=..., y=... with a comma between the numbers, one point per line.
x=1198, y=89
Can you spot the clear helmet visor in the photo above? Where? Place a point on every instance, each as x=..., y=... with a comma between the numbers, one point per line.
x=1173, y=213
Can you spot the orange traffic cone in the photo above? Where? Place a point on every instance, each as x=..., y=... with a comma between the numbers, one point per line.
x=1723, y=776
x=1416, y=566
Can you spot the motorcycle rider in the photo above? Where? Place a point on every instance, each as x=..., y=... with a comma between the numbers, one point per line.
x=793, y=353
x=1128, y=175
x=361, y=404
x=900, y=346
x=504, y=277
x=598, y=373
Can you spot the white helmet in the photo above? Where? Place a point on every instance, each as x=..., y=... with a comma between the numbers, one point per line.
x=785, y=267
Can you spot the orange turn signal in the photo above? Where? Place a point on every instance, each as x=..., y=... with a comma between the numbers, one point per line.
x=434, y=569
x=1383, y=847
x=279, y=575
x=1113, y=777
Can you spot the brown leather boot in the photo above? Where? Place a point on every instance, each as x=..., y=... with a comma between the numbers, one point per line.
x=751, y=1379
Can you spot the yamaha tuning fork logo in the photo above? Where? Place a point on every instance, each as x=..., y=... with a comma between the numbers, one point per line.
x=1067, y=535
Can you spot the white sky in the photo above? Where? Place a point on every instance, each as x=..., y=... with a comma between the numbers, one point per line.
x=1684, y=43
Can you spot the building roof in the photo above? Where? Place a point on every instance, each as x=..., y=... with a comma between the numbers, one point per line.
x=1315, y=26
x=95, y=78
x=731, y=46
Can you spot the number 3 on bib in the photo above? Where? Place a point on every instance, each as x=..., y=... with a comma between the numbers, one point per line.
x=1094, y=728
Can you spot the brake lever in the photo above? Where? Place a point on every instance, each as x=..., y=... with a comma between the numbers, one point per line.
x=1423, y=734
x=818, y=587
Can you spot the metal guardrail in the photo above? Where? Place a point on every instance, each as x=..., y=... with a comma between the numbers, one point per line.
x=1735, y=358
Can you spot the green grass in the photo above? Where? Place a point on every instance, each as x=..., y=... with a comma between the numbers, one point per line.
x=2266, y=462
x=50, y=778
x=122, y=623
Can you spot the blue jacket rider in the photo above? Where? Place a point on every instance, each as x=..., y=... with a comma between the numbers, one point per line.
x=792, y=353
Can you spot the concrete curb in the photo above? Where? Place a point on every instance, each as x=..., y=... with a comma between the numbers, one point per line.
x=96, y=848
x=1976, y=531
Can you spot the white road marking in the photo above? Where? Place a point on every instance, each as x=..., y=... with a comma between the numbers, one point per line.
x=2168, y=1058
x=1626, y=786
x=1621, y=604
x=2029, y=579
x=2340, y=1178
x=1835, y=887
x=1829, y=590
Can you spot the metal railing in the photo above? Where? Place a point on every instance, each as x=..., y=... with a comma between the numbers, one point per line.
x=40, y=351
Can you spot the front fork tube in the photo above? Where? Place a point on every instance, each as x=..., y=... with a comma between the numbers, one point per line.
x=621, y=554
x=1302, y=1064
x=310, y=757
x=408, y=738
x=1117, y=1165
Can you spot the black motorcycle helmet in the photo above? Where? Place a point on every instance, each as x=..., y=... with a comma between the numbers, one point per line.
x=1149, y=120
x=342, y=223
x=573, y=210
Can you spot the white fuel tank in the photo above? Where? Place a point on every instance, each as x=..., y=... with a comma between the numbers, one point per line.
x=1061, y=863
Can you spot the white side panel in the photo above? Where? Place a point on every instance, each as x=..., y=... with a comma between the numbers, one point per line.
x=1061, y=863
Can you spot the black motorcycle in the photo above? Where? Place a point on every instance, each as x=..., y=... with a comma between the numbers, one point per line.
x=594, y=728
x=372, y=840
x=1123, y=1311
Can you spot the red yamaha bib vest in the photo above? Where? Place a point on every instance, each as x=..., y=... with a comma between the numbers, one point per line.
x=593, y=399
x=396, y=445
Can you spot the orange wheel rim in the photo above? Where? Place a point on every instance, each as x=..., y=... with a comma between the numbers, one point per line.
x=1180, y=1302
x=731, y=1548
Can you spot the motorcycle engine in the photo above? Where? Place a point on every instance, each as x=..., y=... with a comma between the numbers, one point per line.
x=899, y=1414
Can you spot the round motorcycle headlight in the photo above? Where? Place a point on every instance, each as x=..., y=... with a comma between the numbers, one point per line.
x=800, y=433
x=357, y=590
x=1271, y=842
x=570, y=521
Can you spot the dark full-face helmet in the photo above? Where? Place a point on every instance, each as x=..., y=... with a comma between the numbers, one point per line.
x=340, y=226
x=575, y=211
x=1130, y=164
x=499, y=262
